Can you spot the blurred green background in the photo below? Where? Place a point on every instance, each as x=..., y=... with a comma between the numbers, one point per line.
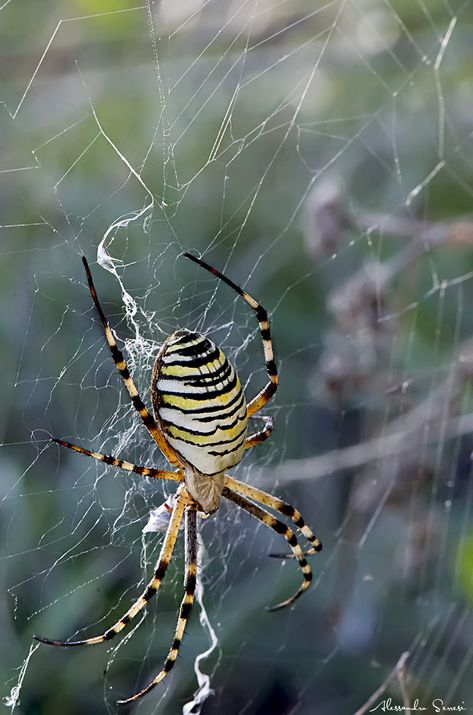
x=321, y=154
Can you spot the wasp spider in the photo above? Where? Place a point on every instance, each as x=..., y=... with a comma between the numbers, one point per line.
x=200, y=424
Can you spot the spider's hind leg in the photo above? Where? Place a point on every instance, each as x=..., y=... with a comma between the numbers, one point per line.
x=186, y=605
x=164, y=558
x=280, y=528
x=280, y=506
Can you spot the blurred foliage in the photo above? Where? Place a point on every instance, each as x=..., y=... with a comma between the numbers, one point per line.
x=289, y=143
x=465, y=566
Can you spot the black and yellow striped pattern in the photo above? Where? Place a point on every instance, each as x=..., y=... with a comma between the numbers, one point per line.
x=122, y=367
x=199, y=403
x=276, y=525
x=164, y=558
x=263, y=435
x=200, y=425
x=122, y=463
x=278, y=505
x=185, y=609
x=263, y=321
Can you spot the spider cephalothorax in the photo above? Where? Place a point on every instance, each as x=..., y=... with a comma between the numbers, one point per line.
x=200, y=426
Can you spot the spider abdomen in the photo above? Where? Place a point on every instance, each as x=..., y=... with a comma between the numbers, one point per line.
x=199, y=403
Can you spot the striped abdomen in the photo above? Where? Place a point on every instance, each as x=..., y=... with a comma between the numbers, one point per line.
x=199, y=403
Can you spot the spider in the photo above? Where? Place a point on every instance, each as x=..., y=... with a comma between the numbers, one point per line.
x=200, y=424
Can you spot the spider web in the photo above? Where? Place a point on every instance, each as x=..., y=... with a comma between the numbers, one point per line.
x=320, y=154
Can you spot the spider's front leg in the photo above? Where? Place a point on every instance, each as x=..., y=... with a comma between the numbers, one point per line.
x=263, y=323
x=120, y=363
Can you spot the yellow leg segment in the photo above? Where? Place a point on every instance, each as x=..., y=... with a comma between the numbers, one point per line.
x=119, y=360
x=278, y=505
x=185, y=609
x=276, y=525
x=267, y=392
x=182, y=499
x=261, y=436
x=123, y=463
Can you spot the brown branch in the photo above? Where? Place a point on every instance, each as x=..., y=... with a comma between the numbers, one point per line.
x=386, y=445
x=328, y=218
x=402, y=678
x=397, y=672
x=428, y=233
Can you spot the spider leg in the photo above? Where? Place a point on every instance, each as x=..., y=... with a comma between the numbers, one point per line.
x=278, y=505
x=280, y=528
x=152, y=587
x=186, y=605
x=119, y=360
x=268, y=391
x=123, y=463
x=261, y=436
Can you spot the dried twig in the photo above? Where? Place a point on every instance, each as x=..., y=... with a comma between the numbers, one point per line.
x=386, y=445
x=429, y=233
x=328, y=219
x=397, y=672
